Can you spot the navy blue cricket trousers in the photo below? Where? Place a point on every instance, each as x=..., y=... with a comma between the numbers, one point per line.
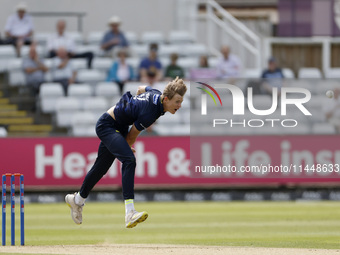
x=113, y=145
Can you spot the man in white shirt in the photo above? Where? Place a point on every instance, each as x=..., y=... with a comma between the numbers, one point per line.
x=229, y=66
x=19, y=28
x=63, y=71
x=62, y=40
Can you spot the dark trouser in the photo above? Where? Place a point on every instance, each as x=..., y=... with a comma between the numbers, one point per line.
x=121, y=85
x=64, y=83
x=113, y=145
x=88, y=55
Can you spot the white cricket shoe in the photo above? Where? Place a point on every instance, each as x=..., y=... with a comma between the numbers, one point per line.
x=134, y=217
x=76, y=210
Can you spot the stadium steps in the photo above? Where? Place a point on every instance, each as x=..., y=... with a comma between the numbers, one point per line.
x=29, y=130
x=16, y=121
x=20, y=122
x=7, y=114
x=4, y=101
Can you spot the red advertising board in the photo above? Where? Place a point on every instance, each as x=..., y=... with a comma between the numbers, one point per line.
x=164, y=161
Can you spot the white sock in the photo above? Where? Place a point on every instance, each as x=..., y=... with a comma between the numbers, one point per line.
x=129, y=205
x=79, y=200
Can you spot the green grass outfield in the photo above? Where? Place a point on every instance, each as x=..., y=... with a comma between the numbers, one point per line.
x=263, y=224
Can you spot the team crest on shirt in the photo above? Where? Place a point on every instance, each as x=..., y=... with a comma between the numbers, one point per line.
x=155, y=99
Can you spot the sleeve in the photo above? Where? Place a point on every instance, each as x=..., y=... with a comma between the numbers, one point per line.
x=124, y=42
x=8, y=25
x=282, y=75
x=143, y=123
x=263, y=75
x=143, y=64
x=104, y=40
x=25, y=64
x=158, y=65
x=148, y=88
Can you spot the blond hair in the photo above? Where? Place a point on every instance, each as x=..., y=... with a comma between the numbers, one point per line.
x=174, y=87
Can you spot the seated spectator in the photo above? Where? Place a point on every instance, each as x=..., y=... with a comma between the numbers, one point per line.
x=121, y=72
x=331, y=109
x=272, y=77
x=19, y=28
x=63, y=71
x=62, y=40
x=150, y=68
x=173, y=70
x=114, y=37
x=34, y=70
x=203, y=71
x=229, y=66
x=204, y=61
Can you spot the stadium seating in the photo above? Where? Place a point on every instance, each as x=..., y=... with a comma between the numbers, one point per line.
x=7, y=52
x=49, y=94
x=83, y=124
x=152, y=37
x=309, y=73
x=180, y=37
x=95, y=37
x=102, y=64
x=333, y=73
x=107, y=90
x=96, y=105
x=16, y=78
x=166, y=50
x=14, y=64
x=65, y=109
x=288, y=73
x=95, y=49
x=79, y=63
x=131, y=37
x=77, y=37
x=193, y=50
x=139, y=50
x=251, y=73
x=80, y=91
x=42, y=37
x=25, y=50
x=323, y=129
x=131, y=86
x=3, y=132
x=91, y=76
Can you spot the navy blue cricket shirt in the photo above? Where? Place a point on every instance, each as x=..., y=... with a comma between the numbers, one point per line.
x=142, y=110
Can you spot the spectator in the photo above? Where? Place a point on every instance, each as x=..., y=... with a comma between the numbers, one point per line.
x=173, y=70
x=204, y=62
x=62, y=40
x=272, y=77
x=34, y=70
x=63, y=71
x=120, y=72
x=150, y=68
x=19, y=28
x=229, y=66
x=203, y=71
x=331, y=109
x=113, y=37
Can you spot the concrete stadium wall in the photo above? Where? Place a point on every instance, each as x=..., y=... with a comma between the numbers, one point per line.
x=138, y=16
